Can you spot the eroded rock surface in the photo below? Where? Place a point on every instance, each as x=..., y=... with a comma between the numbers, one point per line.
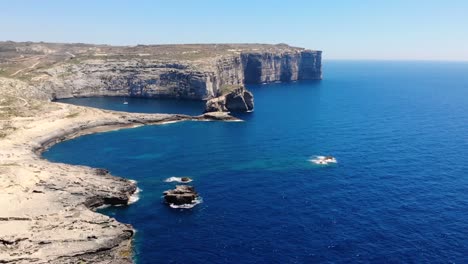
x=237, y=100
x=176, y=71
x=182, y=194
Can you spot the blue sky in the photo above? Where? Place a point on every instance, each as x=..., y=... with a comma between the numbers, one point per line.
x=393, y=29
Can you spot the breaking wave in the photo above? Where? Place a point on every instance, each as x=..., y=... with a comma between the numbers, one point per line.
x=178, y=179
x=196, y=202
x=323, y=160
x=135, y=196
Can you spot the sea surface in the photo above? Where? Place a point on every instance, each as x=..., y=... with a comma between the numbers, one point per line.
x=398, y=194
x=140, y=105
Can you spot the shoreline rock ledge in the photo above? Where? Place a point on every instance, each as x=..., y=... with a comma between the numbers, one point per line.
x=237, y=100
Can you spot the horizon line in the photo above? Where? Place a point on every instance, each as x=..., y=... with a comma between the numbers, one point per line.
x=247, y=43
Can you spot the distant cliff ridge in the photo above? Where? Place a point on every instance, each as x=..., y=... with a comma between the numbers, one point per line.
x=197, y=72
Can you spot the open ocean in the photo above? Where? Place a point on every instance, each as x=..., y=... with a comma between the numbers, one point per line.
x=399, y=192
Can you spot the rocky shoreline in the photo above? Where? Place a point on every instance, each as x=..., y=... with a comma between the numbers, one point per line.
x=48, y=208
x=47, y=211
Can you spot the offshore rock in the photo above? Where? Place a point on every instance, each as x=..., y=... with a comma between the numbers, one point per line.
x=186, y=179
x=182, y=194
x=237, y=100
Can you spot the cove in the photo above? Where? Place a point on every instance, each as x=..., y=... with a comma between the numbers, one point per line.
x=397, y=193
x=140, y=105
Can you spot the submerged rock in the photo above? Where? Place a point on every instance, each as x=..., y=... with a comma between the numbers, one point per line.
x=182, y=194
x=236, y=100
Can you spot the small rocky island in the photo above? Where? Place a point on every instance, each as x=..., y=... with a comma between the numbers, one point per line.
x=181, y=195
x=48, y=209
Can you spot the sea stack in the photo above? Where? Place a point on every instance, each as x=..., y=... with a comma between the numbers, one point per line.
x=182, y=194
x=236, y=100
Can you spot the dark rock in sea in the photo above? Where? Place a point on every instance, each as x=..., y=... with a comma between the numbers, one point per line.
x=182, y=194
x=236, y=100
x=185, y=179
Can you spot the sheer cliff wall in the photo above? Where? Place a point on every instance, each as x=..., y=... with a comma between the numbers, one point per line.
x=185, y=80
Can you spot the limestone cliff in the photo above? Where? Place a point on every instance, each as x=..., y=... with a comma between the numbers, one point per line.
x=146, y=78
x=284, y=67
x=195, y=72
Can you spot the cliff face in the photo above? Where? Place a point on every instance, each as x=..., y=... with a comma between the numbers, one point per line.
x=198, y=71
x=129, y=78
x=182, y=79
x=271, y=67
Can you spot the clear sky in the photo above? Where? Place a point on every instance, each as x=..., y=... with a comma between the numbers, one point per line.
x=360, y=29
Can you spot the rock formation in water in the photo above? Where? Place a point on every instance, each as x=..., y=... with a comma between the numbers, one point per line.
x=237, y=100
x=185, y=179
x=182, y=194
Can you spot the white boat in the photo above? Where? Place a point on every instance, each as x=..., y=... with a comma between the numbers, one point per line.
x=125, y=101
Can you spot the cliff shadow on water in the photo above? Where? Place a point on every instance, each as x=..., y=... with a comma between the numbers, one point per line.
x=140, y=104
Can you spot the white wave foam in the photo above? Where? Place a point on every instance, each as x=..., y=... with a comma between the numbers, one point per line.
x=195, y=202
x=104, y=206
x=135, y=196
x=169, y=122
x=323, y=160
x=178, y=179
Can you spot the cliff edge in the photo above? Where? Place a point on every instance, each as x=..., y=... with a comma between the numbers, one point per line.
x=197, y=72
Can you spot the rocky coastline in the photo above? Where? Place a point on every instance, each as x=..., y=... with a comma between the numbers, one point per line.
x=48, y=209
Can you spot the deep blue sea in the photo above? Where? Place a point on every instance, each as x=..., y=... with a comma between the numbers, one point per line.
x=399, y=192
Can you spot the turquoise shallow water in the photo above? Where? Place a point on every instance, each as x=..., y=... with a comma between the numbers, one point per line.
x=397, y=194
